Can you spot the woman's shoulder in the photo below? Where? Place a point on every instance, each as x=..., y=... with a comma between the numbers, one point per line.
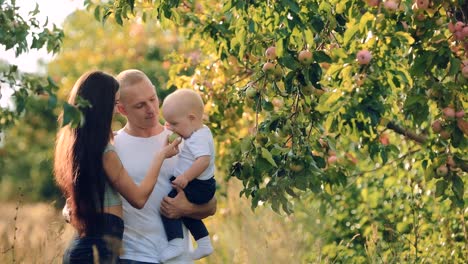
x=108, y=148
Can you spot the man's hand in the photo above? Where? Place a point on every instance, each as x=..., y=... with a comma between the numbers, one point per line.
x=176, y=207
x=179, y=206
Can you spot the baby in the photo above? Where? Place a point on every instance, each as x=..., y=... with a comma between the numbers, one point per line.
x=194, y=171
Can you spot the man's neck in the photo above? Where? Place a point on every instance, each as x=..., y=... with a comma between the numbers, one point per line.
x=143, y=132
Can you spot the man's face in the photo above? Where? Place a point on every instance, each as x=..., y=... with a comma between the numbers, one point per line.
x=140, y=104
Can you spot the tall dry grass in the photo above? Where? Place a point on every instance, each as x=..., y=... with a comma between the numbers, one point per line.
x=238, y=234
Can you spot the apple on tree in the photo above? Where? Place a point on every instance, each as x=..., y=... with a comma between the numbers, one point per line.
x=449, y=112
x=270, y=53
x=465, y=71
x=391, y=5
x=373, y=3
x=384, y=140
x=422, y=4
x=305, y=57
x=442, y=170
x=268, y=67
x=436, y=126
x=332, y=159
x=363, y=57
x=251, y=92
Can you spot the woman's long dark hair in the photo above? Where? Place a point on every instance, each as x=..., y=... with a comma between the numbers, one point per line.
x=78, y=165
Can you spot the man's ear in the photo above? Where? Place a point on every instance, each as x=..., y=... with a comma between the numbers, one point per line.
x=121, y=109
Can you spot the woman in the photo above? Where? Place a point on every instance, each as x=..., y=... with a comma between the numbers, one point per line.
x=91, y=176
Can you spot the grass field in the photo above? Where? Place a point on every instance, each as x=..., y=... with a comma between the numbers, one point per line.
x=36, y=233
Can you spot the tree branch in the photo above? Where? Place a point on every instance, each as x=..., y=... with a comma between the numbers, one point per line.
x=419, y=138
x=407, y=133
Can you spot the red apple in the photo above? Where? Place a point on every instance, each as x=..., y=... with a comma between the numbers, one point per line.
x=436, y=126
x=332, y=159
x=363, y=57
x=464, y=31
x=391, y=5
x=268, y=67
x=305, y=57
x=458, y=35
x=270, y=53
x=449, y=112
x=460, y=114
x=444, y=134
x=459, y=26
x=465, y=71
x=422, y=4
x=384, y=140
x=442, y=170
x=372, y=3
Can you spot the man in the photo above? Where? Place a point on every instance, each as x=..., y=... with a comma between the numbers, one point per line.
x=143, y=135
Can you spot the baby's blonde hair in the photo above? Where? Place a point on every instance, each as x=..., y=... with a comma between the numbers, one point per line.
x=186, y=100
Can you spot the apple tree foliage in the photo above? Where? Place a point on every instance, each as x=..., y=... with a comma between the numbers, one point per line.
x=310, y=121
x=360, y=107
x=21, y=34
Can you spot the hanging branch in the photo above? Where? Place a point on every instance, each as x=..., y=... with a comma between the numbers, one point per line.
x=420, y=138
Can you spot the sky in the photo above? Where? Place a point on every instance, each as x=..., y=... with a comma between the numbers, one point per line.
x=56, y=11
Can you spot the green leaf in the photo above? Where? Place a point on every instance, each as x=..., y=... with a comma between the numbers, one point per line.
x=267, y=155
x=279, y=47
x=320, y=56
x=246, y=144
x=367, y=17
x=441, y=185
x=457, y=186
x=316, y=23
x=351, y=30
x=328, y=101
x=405, y=36
x=97, y=13
x=292, y=5
x=454, y=66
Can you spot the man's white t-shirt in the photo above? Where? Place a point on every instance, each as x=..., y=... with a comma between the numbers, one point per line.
x=144, y=237
x=200, y=143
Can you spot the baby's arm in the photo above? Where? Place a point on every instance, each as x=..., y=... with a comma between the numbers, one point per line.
x=197, y=168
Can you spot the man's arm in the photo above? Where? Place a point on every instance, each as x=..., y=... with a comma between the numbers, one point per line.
x=179, y=206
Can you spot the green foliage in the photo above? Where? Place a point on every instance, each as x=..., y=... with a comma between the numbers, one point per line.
x=413, y=75
x=26, y=157
x=22, y=34
x=321, y=128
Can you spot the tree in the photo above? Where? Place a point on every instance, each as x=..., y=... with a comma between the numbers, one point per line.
x=21, y=35
x=354, y=91
x=332, y=102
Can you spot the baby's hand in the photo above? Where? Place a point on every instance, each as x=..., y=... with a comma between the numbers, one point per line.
x=180, y=181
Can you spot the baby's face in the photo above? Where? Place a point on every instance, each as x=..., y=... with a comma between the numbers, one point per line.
x=180, y=124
